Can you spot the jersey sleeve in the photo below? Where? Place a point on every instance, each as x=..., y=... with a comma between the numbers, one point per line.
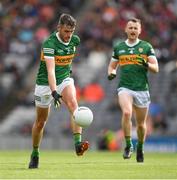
x=76, y=40
x=150, y=51
x=115, y=55
x=48, y=49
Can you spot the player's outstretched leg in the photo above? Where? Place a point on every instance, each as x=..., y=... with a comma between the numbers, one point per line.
x=128, y=152
x=81, y=147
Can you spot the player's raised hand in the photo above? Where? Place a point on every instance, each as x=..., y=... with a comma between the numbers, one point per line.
x=142, y=61
x=57, y=99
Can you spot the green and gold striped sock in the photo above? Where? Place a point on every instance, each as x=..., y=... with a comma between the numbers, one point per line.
x=77, y=138
x=128, y=141
x=140, y=145
x=35, y=152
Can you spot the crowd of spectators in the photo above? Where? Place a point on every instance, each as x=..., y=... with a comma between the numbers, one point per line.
x=103, y=26
x=105, y=22
x=25, y=24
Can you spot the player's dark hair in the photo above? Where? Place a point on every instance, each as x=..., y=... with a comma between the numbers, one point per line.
x=66, y=19
x=136, y=20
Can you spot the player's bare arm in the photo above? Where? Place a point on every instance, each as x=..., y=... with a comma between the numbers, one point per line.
x=153, y=64
x=113, y=65
x=50, y=63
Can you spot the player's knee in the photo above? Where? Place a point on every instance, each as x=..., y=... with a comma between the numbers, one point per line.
x=127, y=114
x=141, y=126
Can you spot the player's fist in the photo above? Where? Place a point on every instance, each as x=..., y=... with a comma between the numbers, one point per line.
x=142, y=61
x=111, y=76
x=57, y=99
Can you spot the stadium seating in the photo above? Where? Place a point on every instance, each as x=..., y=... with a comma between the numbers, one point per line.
x=100, y=25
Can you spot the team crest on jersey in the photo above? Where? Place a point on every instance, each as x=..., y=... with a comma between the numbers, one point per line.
x=140, y=50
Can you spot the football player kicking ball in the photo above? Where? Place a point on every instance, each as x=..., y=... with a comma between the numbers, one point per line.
x=135, y=58
x=54, y=83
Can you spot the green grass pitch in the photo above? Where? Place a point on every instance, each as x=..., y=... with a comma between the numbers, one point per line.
x=93, y=165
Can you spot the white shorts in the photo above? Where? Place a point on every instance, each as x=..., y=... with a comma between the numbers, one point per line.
x=42, y=94
x=140, y=98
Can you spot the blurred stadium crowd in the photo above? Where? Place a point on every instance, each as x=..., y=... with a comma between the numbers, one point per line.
x=24, y=25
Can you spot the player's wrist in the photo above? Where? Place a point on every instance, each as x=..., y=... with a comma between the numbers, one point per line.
x=146, y=65
x=111, y=76
x=54, y=93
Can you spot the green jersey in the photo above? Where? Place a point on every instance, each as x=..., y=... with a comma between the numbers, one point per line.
x=133, y=75
x=62, y=53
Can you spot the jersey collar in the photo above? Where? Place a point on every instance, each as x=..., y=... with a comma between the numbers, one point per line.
x=58, y=37
x=131, y=45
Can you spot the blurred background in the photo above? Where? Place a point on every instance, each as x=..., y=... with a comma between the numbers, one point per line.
x=25, y=24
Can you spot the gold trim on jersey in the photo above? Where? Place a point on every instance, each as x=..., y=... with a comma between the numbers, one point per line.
x=61, y=60
x=42, y=56
x=130, y=59
x=64, y=60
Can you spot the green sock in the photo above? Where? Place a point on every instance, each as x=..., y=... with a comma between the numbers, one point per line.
x=77, y=138
x=35, y=151
x=140, y=145
x=128, y=141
